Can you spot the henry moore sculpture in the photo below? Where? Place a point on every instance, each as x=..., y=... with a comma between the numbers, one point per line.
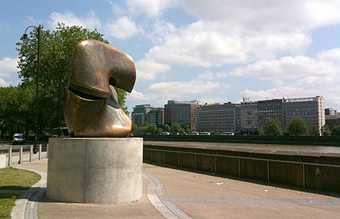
x=91, y=105
x=100, y=164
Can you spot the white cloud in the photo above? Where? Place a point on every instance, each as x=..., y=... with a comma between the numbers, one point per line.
x=8, y=70
x=150, y=8
x=208, y=44
x=212, y=76
x=178, y=88
x=148, y=68
x=8, y=66
x=159, y=30
x=297, y=76
x=195, y=89
x=136, y=95
x=236, y=32
x=3, y=83
x=69, y=19
x=123, y=28
x=275, y=16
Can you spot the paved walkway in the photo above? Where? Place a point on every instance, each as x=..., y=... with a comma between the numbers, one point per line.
x=181, y=194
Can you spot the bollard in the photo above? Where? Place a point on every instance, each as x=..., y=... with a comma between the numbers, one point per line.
x=31, y=153
x=10, y=156
x=20, y=155
x=39, y=152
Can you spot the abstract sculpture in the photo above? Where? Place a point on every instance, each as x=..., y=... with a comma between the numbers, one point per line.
x=91, y=104
x=94, y=168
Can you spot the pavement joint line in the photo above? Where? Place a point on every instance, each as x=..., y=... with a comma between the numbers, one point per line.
x=165, y=207
x=26, y=206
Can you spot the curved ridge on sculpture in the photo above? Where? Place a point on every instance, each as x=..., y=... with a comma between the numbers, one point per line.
x=91, y=101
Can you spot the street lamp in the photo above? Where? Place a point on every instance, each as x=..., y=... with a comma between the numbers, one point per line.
x=24, y=38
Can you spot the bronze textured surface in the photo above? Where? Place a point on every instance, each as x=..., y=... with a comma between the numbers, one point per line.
x=91, y=103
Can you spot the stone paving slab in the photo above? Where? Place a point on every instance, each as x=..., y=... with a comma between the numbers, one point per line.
x=204, y=196
x=54, y=210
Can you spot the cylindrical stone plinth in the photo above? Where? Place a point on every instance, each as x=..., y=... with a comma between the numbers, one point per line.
x=95, y=170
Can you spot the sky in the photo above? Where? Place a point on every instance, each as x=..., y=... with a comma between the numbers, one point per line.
x=211, y=51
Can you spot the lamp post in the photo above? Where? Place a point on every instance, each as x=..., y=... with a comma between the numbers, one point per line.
x=24, y=38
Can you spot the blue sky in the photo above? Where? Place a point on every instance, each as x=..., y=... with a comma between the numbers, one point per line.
x=213, y=51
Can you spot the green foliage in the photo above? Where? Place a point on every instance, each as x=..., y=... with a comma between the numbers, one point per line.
x=14, y=180
x=48, y=83
x=297, y=127
x=166, y=128
x=152, y=129
x=16, y=113
x=176, y=128
x=7, y=201
x=336, y=131
x=272, y=128
x=326, y=130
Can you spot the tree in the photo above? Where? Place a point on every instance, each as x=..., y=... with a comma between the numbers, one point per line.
x=15, y=110
x=272, y=128
x=55, y=55
x=176, y=128
x=166, y=128
x=326, y=130
x=297, y=127
x=151, y=129
x=336, y=130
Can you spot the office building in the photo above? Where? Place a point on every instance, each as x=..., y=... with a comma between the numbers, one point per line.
x=139, y=113
x=156, y=116
x=217, y=118
x=332, y=117
x=242, y=118
x=143, y=114
x=181, y=112
x=330, y=112
x=247, y=117
x=310, y=109
x=268, y=110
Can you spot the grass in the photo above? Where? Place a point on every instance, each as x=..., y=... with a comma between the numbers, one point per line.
x=15, y=181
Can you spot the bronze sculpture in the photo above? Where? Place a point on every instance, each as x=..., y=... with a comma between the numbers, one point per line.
x=91, y=104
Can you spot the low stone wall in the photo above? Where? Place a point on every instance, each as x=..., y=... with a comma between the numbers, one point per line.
x=287, y=140
x=321, y=174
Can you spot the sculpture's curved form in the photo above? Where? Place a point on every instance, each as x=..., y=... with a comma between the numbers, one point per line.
x=91, y=104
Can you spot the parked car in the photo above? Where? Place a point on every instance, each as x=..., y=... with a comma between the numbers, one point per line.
x=60, y=132
x=228, y=133
x=18, y=138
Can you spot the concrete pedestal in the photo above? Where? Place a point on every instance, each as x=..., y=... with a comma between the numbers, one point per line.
x=95, y=170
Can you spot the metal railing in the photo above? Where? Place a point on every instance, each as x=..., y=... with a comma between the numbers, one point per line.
x=18, y=154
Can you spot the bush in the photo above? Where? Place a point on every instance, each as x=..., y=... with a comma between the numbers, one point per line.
x=272, y=128
x=336, y=130
x=297, y=127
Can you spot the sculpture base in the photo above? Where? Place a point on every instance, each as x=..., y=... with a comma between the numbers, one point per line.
x=95, y=170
